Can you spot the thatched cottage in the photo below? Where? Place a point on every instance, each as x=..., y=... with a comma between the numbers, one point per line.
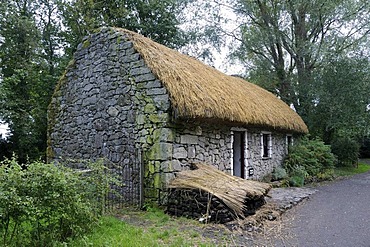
x=152, y=111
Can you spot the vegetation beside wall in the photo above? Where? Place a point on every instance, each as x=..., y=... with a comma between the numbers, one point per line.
x=41, y=204
x=309, y=160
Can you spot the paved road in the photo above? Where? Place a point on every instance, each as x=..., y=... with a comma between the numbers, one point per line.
x=337, y=215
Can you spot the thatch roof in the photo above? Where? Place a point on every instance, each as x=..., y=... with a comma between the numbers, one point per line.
x=198, y=91
x=230, y=189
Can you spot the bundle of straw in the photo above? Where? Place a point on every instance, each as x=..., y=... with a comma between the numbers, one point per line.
x=233, y=191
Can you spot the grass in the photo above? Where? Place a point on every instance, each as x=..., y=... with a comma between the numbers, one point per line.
x=139, y=228
x=350, y=171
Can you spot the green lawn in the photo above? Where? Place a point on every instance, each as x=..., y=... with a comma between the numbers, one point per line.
x=153, y=228
x=349, y=171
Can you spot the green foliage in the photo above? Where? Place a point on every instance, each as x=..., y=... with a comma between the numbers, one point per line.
x=279, y=173
x=297, y=176
x=43, y=203
x=346, y=150
x=342, y=90
x=28, y=66
x=308, y=159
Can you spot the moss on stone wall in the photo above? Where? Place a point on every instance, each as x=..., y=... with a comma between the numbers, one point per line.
x=86, y=44
x=54, y=108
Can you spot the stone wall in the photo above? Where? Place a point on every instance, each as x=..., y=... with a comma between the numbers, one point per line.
x=264, y=166
x=109, y=105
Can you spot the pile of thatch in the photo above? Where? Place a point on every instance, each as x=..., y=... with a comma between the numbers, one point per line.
x=236, y=193
x=202, y=92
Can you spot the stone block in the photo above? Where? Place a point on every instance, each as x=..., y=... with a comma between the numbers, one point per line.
x=145, y=77
x=162, y=102
x=156, y=91
x=163, y=135
x=153, y=84
x=166, y=166
x=149, y=108
x=180, y=153
x=140, y=71
x=189, y=139
x=171, y=166
x=191, y=152
x=140, y=119
x=167, y=177
x=159, y=118
x=160, y=151
x=198, y=130
x=113, y=111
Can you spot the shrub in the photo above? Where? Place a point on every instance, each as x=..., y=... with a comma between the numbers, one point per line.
x=279, y=173
x=308, y=159
x=45, y=203
x=346, y=150
x=297, y=176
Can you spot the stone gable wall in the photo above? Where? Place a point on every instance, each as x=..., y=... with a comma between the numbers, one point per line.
x=109, y=105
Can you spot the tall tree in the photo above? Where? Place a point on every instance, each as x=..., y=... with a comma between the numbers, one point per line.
x=342, y=99
x=286, y=40
x=17, y=53
x=156, y=19
x=38, y=37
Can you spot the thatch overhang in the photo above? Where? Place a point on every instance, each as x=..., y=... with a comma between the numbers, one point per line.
x=198, y=91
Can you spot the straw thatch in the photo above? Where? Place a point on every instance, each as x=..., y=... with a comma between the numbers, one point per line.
x=201, y=92
x=232, y=190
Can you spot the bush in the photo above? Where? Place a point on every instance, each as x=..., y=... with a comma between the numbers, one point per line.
x=346, y=150
x=279, y=173
x=308, y=159
x=297, y=177
x=45, y=203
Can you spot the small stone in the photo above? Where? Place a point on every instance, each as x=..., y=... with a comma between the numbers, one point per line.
x=149, y=108
x=140, y=119
x=113, y=111
x=156, y=91
x=191, y=152
x=189, y=139
x=139, y=71
x=180, y=153
x=153, y=84
x=145, y=77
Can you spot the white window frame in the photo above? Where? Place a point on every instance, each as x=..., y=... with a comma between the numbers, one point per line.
x=287, y=142
x=269, y=145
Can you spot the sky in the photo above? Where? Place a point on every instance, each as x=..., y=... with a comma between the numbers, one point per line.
x=3, y=129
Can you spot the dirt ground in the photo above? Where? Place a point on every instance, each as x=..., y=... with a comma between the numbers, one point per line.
x=261, y=229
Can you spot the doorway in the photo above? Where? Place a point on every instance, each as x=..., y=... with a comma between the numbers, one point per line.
x=238, y=154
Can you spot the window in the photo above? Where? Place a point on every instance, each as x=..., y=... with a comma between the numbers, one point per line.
x=289, y=142
x=266, y=145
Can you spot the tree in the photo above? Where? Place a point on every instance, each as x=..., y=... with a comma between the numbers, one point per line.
x=287, y=40
x=342, y=99
x=17, y=53
x=38, y=38
x=156, y=19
